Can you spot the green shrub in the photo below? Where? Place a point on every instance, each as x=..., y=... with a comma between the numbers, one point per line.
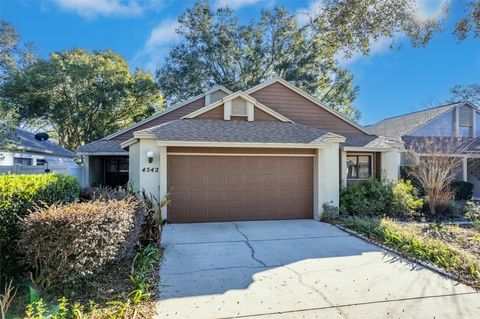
x=473, y=213
x=463, y=190
x=65, y=245
x=374, y=198
x=406, y=201
x=18, y=194
x=463, y=265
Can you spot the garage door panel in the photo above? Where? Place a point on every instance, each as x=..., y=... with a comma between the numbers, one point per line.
x=221, y=188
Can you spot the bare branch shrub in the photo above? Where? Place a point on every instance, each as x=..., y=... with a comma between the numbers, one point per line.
x=6, y=298
x=438, y=162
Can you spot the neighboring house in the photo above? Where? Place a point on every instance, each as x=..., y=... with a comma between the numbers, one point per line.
x=270, y=152
x=28, y=153
x=417, y=130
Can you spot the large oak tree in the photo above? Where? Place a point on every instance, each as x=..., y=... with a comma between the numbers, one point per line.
x=82, y=96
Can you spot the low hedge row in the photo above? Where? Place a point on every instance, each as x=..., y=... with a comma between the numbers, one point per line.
x=19, y=194
x=66, y=244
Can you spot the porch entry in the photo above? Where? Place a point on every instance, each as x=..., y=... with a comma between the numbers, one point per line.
x=115, y=171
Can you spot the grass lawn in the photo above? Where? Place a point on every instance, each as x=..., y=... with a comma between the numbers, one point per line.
x=452, y=248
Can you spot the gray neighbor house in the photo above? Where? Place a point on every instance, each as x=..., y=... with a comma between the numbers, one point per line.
x=459, y=119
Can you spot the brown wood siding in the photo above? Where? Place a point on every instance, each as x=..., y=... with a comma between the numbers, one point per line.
x=241, y=150
x=170, y=116
x=226, y=188
x=213, y=114
x=261, y=115
x=300, y=110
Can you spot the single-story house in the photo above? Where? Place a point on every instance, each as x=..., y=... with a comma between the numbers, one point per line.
x=270, y=152
x=34, y=153
x=433, y=130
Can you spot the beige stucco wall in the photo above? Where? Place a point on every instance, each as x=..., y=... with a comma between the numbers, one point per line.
x=134, y=165
x=327, y=178
x=391, y=165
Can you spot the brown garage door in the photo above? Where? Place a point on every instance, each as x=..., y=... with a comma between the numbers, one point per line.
x=222, y=188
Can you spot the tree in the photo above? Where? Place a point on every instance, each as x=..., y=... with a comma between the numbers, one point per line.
x=82, y=96
x=13, y=57
x=218, y=50
x=469, y=93
x=436, y=169
x=469, y=25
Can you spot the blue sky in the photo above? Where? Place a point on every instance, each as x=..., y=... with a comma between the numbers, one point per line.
x=391, y=81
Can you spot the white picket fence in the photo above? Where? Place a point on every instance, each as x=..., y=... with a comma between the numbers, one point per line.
x=23, y=169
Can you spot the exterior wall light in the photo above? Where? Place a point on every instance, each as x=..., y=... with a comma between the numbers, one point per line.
x=150, y=156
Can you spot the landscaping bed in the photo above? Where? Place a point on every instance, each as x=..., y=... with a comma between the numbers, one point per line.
x=89, y=254
x=452, y=248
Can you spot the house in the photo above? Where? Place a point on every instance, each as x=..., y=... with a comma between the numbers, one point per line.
x=459, y=120
x=31, y=153
x=270, y=152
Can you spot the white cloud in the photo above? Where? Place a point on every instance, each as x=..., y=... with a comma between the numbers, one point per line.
x=234, y=4
x=431, y=9
x=93, y=8
x=158, y=44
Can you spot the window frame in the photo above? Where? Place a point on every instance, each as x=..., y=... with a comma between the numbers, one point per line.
x=22, y=159
x=371, y=168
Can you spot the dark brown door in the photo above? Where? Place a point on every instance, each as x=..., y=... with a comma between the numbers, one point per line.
x=224, y=188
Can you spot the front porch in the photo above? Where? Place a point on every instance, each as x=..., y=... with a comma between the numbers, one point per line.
x=105, y=170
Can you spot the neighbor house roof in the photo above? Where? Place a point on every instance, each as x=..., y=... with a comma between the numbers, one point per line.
x=102, y=147
x=237, y=131
x=442, y=144
x=26, y=141
x=398, y=126
x=369, y=141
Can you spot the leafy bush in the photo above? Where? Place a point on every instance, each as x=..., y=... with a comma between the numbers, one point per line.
x=463, y=265
x=66, y=244
x=473, y=213
x=406, y=201
x=463, y=190
x=18, y=194
x=374, y=198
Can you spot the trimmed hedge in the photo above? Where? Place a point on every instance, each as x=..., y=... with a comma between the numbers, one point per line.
x=463, y=190
x=18, y=194
x=64, y=245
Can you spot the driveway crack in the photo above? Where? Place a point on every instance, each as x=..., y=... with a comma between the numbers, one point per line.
x=318, y=292
x=252, y=250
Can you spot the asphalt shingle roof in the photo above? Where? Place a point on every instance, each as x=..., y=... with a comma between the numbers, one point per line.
x=237, y=131
x=102, y=146
x=372, y=141
x=398, y=126
x=26, y=140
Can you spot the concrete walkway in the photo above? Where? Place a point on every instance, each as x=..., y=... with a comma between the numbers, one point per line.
x=297, y=269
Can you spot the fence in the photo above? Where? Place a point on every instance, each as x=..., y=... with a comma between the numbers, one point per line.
x=23, y=170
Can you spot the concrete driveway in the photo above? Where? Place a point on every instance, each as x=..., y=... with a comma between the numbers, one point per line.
x=297, y=269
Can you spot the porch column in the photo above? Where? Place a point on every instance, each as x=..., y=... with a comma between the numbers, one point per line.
x=149, y=173
x=465, y=169
x=390, y=165
x=343, y=168
x=86, y=171
x=163, y=177
x=326, y=178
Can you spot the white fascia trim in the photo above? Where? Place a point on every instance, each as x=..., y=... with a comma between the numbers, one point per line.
x=233, y=96
x=101, y=153
x=364, y=149
x=167, y=110
x=235, y=144
x=239, y=154
x=307, y=96
x=128, y=142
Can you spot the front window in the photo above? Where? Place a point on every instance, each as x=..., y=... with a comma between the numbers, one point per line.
x=41, y=162
x=359, y=166
x=22, y=161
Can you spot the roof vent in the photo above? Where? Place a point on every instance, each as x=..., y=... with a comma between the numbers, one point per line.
x=41, y=137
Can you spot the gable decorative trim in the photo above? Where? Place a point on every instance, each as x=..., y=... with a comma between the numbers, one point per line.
x=250, y=104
